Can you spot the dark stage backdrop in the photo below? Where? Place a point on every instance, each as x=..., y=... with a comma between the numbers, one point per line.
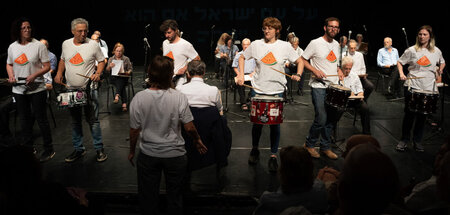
x=202, y=24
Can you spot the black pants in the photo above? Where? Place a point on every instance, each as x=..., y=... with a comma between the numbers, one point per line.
x=368, y=88
x=394, y=81
x=120, y=83
x=408, y=122
x=34, y=107
x=149, y=171
x=361, y=107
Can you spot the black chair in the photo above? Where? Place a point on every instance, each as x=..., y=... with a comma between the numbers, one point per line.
x=383, y=77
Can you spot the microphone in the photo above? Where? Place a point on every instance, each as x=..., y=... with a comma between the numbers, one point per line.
x=349, y=35
x=181, y=34
x=146, y=42
x=233, y=31
x=365, y=29
x=147, y=26
x=293, y=33
x=403, y=29
x=289, y=27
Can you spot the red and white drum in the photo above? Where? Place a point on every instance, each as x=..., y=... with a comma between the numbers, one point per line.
x=72, y=98
x=267, y=110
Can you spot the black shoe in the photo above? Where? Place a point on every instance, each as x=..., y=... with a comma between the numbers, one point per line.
x=101, y=156
x=419, y=147
x=254, y=157
x=273, y=164
x=75, y=155
x=401, y=146
x=47, y=155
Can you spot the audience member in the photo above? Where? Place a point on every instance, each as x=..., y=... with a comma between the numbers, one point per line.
x=368, y=182
x=298, y=186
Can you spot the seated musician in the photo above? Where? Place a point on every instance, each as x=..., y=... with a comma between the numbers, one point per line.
x=206, y=106
x=359, y=68
x=199, y=93
x=351, y=80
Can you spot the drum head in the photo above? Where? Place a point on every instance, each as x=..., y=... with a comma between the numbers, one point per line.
x=339, y=87
x=267, y=98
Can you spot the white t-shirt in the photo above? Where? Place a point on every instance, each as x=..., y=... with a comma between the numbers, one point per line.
x=359, y=67
x=323, y=56
x=353, y=82
x=160, y=114
x=200, y=94
x=26, y=60
x=80, y=60
x=268, y=56
x=182, y=52
x=422, y=63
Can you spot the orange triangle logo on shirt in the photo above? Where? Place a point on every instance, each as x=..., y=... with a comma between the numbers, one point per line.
x=331, y=57
x=22, y=60
x=424, y=61
x=76, y=60
x=170, y=54
x=269, y=59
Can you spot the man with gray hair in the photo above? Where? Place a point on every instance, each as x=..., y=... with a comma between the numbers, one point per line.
x=78, y=58
x=387, y=58
x=199, y=93
x=249, y=68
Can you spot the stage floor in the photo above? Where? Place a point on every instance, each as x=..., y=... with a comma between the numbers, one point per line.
x=116, y=177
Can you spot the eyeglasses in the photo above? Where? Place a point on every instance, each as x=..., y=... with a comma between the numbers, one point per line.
x=333, y=27
x=25, y=28
x=266, y=28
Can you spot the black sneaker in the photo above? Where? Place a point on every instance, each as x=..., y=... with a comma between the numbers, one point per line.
x=273, y=164
x=401, y=146
x=254, y=157
x=419, y=147
x=75, y=155
x=47, y=155
x=101, y=156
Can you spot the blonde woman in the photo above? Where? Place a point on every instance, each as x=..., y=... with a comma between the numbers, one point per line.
x=220, y=43
x=421, y=58
x=120, y=80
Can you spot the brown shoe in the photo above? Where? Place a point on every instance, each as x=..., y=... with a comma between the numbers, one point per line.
x=312, y=152
x=330, y=154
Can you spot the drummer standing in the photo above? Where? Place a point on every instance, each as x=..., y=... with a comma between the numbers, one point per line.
x=78, y=56
x=322, y=54
x=269, y=53
x=421, y=58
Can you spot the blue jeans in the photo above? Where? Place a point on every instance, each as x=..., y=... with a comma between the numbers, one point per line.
x=321, y=125
x=275, y=131
x=91, y=111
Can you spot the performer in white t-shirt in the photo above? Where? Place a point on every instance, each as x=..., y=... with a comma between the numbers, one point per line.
x=320, y=57
x=177, y=48
x=78, y=58
x=270, y=54
x=422, y=59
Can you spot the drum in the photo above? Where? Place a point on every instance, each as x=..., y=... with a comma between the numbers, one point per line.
x=423, y=101
x=337, y=96
x=267, y=110
x=72, y=98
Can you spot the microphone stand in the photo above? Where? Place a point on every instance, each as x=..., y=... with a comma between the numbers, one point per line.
x=147, y=50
